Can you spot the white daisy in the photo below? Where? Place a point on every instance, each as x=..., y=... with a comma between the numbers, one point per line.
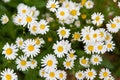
x=90, y=74
x=94, y=35
x=77, y=23
x=110, y=46
x=52, y=5
x=84, y=62
x=76, y=36
x=39, y=41
x=104, y=73
x=61, y=75
x=63, y=32
x=97, y=18
x=43, y=27
x=96, y=59
x=108, y=37
x=22, y=63
x=34, y=11
x=10, y=51
x=33, y=63
x=109, y=78
x=89, y=4
x=4, y=19
x=30, y=48
x=101, y=34
x=89, y=48
x=49, y=62
x=117, y=19
x=67, y=4
x=51, y=75
x=42, y=72
x=80, y=75
x=8, y=74
x=71, y=55
x=19, y=42
x=68, y=64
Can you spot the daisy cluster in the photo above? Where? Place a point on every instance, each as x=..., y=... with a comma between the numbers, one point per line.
x=95, y=39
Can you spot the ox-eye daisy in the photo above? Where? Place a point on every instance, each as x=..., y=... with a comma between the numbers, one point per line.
x=4, y=19
x=84, y=62
x=19, y=42
x=61, y=75
x=10, y=51
x=33, y=63
x=71, y=55
x=42, y=72
x=51, y=75
x=39, y=41
x=90, y=48
x=68, y=64
x=110, y=46
x=8, y=74
x=89, y=4
x=76, y=36
x=104, y=73
x=96, y=59
x=80, y=75
x=33, y=28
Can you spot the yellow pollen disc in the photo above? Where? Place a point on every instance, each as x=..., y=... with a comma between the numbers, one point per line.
x=83, y=61
x=37, y=41
x=105, y=74
x=50, y=39
x=87, y=37
x=67, y=5
x=113, y=25
x=73, y=12
x=43, y=72
x=76, y=36
x=20, y=43
x=52, y=74
x=68, y=63
x=90, y=74
x=42, y=26
x=60, y=48
x=80, y=75
x=29, y=19
x=9, y=51
x=63, y=32
x=30, y=47
x=49, y=63
x=61, y=75
x=97, y=18
x=53, y=6
x=101, y=34
x=83, y=16
x=95, y=35
x=96, y=59
x=100, y=47
x=23, y=62
x=107, y=37
x=19, y=20
x=62, y=13
x=5, y=19
x=83, y=2
x=23, y=11
x=8, y=77
x=109, y=45
x=71, y=55
x=34, y=28
x=89, y=3
x=90, y=48
x=32, y=62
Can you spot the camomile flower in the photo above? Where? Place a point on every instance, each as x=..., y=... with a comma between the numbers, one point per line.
x=96, y=59
x=33, y=63
x=49, y=62
x=19, y=19
x=63, y=32
x=42, y=72
x=94, y=35
x=34, y=28
x=100, y=48
x=110, y=46
x=67, y=4
x=76, y=36
x=89, y=4
x=116, y=19
x=8, y=74
x=86, y=38
x=61, y=75
x=90, y=74
x=4, y=19
x=71, y=55
x=80, y=75
x=82, y=3
x=77, y=23
x=19, y=42
x=30, y=48
x=104, y=73
x=89, y=48
x=84, y=62
x=113, y=27
x=43, y=27
x=34, y=11
x=97, y=18
x=101, y=34
x=62, y=13
x=108, y=37
x=68, y=64
x=52, y=5
x=51, y=75
x=23, y=9
x=39, y=41
x=10, y=51
x=109, y=78
x=22, y=63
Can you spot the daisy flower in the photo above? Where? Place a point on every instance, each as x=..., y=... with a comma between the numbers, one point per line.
x=104, y=73
x=96, y=59
x=89, y=4
x=108, y=37
x=83, y=2
x=113, y=27
x=97, y=18
x=22, y=63
x=4, y=19
x=110, y=46
x=39, y=41
x=89, y=48
x=67, y=4
x=52, y=5
x=84, y=62
x=33, y=63
x=51, y=75
x=34, y=11
x=42, y=72
x=62, y=13
x=94, y=35
x=76, y=36
x=101, y=34
x=77, y=23
x=43, y=27
x=19, y=42
x=8, y=74
x=71, y=55
x=10, y=51
x=116, y=19
x=68, y=64
x=80, y=75
x=90, y=74
x=30, y=48
x=49, y=62
x=63, y=32
x=109, y=78
x=61, y=75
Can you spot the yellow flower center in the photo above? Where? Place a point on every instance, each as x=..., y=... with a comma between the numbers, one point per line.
x=71, y=55
x=100, y=47
x=62, y=13
x=83, y=16
x=43, y=73
x=80, y=75
x=90, y=73
x=50, y=39
x=67, y=5
x=53, y=6
x=87, y=37
x=101, y=34
x=60, y=48
x=68, y=63
x=63, y=32
x=34, y=28
x=20, y=43
x=107, y=37
x=94, y=35
x=97, y=18
x=23, y=62
x=73, y=12
x=83, y=61
x=52, y=74
x=76, y=36
x=9, y=51
x=89, y=3
x=96, y=59
x=49, y=63
x=61, y=75
x=5, y=19
x=37, y=41
x=23, y=11
x=83, y=2
x=42, y=26
x=33, y=62
x=30, y=47
x=109, y=45
x=19, y=20
x=90, y=48
x=29, y=19
x=105, y=74
x=8, y=77
x=113, y=25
